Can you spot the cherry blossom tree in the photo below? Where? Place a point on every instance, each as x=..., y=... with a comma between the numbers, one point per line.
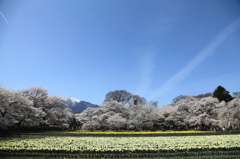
x=38, y=95
x=139, y=117
x=230, y=115
x=162, y=117
x=91, y=125
x=5, y=99
x=55, y=108
x=18, y=110
x=109, y=109
x=57, y=112
x=188, y=112
x=86, y=115
x=25, y=113
x=32, y=107
x=101, y=114
x=116, y=122
x=182, y=112
x=205, y=112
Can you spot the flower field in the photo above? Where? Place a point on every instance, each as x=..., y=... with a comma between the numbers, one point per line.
x=163, y=146
x=136, y=133
x=106, y=144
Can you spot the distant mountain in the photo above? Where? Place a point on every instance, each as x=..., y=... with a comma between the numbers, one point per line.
x=71, y=101
x=78, y=106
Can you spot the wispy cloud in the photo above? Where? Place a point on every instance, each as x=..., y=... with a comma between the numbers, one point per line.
x=196, y=61
x=147, y=63
x=4, y=17
x=158, y=28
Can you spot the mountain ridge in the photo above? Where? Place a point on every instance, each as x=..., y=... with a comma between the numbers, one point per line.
x=78, y=106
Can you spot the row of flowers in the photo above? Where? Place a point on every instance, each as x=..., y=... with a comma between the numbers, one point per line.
x=119, y=144
x=134, y=132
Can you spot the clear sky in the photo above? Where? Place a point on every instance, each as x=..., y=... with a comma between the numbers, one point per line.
x=158, y=49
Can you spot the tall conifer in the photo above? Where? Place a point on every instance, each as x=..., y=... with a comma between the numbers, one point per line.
x=222, y=94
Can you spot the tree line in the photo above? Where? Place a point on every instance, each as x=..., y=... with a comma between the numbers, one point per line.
x=120, y=110
x=123, y=110
x=32, y=107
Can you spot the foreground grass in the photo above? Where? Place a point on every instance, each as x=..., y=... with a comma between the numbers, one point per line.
x=191, y=155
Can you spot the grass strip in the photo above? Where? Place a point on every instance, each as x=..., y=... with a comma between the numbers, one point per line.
x=47, y=154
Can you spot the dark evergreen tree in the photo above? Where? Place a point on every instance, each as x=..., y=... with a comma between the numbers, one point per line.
x=222, y=94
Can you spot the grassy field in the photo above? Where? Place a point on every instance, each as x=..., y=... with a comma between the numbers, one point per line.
x=207, y=146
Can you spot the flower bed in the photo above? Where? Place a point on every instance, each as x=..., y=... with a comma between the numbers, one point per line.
x=162, y=145
x=134, y=132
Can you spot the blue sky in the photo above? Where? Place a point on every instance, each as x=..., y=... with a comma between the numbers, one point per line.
x=158, y=49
